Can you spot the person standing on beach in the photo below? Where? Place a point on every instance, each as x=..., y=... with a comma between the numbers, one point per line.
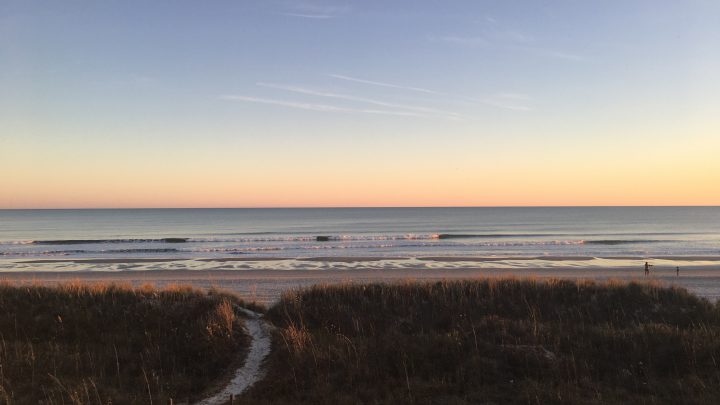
x=647, y=269
x=677, y=271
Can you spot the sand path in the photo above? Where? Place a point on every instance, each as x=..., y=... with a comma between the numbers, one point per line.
x=251, y=371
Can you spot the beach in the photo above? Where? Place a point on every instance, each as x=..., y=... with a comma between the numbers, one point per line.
x=265, y=280
x=259, y=253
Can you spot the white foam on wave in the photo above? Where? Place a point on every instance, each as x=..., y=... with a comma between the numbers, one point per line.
x=314, y=238
x=16, y=242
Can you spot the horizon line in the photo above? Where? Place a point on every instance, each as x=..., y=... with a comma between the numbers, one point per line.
x=362, y=207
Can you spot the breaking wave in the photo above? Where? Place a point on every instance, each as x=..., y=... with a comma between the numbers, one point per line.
x=334, y=238
x=102, y=241
x=624, y=241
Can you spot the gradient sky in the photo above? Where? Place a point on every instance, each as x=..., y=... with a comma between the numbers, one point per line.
x=358, y=103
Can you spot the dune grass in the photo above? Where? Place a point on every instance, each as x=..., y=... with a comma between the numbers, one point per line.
x=101, y=344
x=494, y=341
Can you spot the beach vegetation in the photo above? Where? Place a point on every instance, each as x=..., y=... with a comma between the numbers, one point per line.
x=492, y=341
x=108, y=343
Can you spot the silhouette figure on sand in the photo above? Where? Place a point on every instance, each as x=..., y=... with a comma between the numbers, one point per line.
x=647, y=268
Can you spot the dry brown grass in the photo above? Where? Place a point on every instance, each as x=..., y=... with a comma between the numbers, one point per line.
x=108, y=343
x=493, y=341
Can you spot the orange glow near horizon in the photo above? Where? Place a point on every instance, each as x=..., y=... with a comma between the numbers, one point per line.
x=641, y=165
x=466, y=185
x=471, y=174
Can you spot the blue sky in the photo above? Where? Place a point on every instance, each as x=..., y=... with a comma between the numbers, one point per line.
x=224, y=87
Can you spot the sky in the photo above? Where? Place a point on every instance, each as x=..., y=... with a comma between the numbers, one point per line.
x=294, y=103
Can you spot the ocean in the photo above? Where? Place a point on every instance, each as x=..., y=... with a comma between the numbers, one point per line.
x=627, y=233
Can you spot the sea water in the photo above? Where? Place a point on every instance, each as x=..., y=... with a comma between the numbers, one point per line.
x=557, y=232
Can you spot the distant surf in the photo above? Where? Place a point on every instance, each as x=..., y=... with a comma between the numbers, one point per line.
x=99, y=241
x=625, y=241
x=183, y=234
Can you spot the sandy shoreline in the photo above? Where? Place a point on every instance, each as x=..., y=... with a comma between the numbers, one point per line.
x=263, y=279
x=359, y=259
x=266, y=285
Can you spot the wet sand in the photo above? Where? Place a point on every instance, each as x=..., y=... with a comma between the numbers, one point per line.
x=98, y=261
x=509, y=258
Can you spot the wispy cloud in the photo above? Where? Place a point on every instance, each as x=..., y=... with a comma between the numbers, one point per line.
x=494, y=35
x=313, y=10
x=512, y=41
x=383, y=84
x=512, y=36
x=348, y=97
x=458, y=40
x=551, y=53
x=488, y=36
x=515, y=96
x=508, y=101
x=315, y=107
x=314, y=16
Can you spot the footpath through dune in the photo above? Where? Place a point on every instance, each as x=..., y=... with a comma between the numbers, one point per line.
x=251, y=371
